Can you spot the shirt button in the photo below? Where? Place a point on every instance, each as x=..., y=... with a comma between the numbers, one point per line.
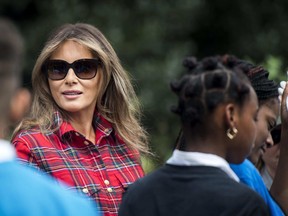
x=106, y=130
x=109, y=190
x=86, y=142
x=106, y=182
x=85, y=190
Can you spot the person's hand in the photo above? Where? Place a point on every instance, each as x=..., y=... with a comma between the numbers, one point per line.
x=282, y=86
x=281, y=90
x=280, y=182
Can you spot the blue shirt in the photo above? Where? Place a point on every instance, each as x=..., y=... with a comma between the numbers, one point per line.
x=25, y=191
x=249, y=175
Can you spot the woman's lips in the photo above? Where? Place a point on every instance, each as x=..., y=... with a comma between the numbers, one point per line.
x=72, y=94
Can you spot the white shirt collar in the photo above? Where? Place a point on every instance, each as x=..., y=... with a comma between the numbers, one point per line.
x=7, y=152
x=183, y=158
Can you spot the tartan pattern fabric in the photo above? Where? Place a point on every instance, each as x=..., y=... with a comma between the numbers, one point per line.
x=103, y=170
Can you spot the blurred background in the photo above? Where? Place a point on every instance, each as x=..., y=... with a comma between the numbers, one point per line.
x=151, y=39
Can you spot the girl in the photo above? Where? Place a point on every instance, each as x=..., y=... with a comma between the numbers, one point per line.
x=218, y=110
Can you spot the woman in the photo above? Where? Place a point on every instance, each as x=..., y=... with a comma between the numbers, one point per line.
x=84, y=125
x=270, y=158
x=269, y=106
x=267, y=95
x=218, y=110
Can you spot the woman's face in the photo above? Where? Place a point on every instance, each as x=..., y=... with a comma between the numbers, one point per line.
x=271, y=158
x=72, y=94
x=246, y=126
x=267, y=118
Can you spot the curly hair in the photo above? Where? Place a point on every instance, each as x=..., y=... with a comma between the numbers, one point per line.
x=207, y=84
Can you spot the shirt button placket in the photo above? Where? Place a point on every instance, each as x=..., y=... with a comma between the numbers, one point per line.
x=106, y=182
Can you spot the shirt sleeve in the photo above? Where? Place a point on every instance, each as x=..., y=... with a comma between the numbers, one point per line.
x=23, y=152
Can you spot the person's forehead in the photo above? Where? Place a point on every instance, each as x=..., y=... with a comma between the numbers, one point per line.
x=270, y=108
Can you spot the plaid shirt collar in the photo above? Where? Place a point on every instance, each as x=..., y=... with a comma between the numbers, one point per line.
x=104, y=127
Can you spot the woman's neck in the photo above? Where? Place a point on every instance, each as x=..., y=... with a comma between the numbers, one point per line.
x=83, y=124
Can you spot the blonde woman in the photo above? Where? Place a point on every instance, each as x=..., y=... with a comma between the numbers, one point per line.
x=84, y=128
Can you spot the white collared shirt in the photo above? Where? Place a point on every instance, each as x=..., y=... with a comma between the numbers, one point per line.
x=7, y=152
x=183, y=158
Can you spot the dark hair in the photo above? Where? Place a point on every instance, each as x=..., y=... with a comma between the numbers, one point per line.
x=208, y=83
x=258, y=76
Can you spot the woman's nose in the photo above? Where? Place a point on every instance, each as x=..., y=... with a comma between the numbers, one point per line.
x=71, y=76
x=269, y=141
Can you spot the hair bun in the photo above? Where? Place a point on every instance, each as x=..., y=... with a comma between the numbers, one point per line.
x=175, y=86
x=190, y=63
x=210, y=63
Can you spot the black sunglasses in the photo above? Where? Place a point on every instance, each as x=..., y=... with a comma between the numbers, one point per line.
x=83, y=68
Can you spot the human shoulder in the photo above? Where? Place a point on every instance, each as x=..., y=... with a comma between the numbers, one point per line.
x=29, y=200
x=240, y=196
x=246, y=171
x=27, y=132
x=245, y=200
x=148, y=182
x=250, y=176
x=162, y=185
x=32, y=137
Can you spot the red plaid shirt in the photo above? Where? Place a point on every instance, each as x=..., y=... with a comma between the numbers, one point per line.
x=102, y=170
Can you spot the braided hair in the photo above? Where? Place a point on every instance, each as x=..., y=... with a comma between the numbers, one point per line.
x=258, y=76
x=207, y=84
x=266, y=90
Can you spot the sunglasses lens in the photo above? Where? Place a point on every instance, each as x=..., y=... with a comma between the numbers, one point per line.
x=56, y=70
x=86, y=68
x=83, y=68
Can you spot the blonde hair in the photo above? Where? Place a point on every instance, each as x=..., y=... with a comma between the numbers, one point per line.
x=117, y=101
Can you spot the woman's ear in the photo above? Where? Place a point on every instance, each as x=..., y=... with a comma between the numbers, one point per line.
x=230, y=115
x=231, y=118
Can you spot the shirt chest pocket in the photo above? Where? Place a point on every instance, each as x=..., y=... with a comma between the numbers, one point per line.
x=81, y=181
x=125, y=178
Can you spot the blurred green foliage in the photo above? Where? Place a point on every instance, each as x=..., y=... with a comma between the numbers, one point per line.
x=152, y=37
